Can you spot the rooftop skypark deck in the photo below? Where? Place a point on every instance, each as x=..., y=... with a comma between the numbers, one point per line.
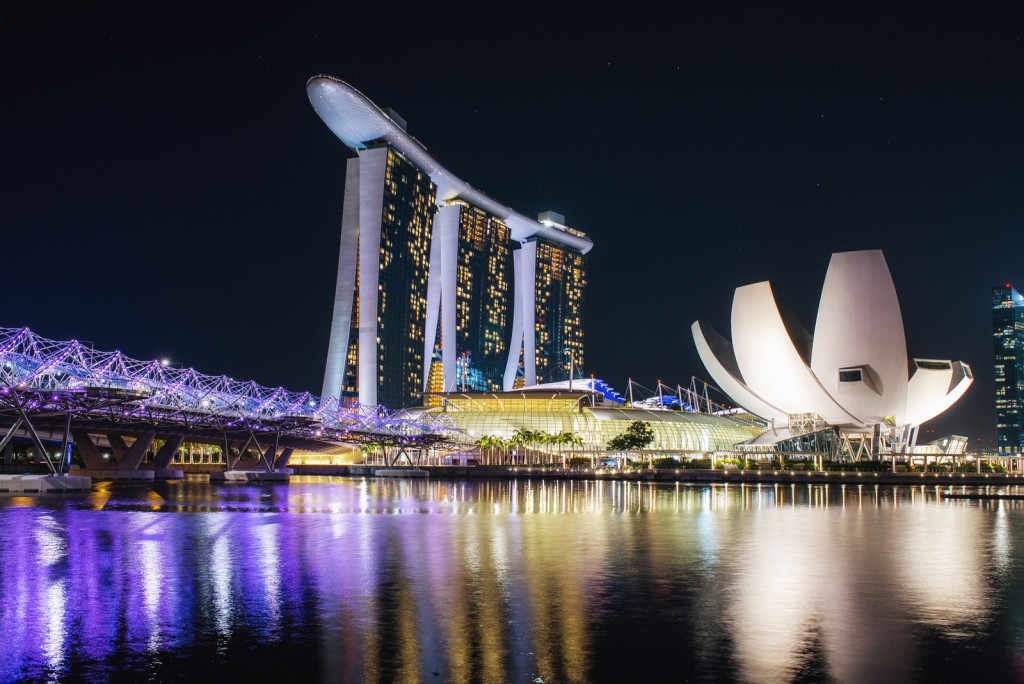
x=358, y=122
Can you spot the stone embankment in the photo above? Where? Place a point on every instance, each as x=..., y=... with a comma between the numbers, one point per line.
x=681, y=475
x=17, y=484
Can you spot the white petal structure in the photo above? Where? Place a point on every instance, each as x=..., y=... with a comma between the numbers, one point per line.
x=714, y=351
x=853, y=373
x=860, y=326
x=934, y=387
x=770, y=362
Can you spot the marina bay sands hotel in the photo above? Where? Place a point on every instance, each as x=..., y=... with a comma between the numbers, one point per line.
x=440, y=287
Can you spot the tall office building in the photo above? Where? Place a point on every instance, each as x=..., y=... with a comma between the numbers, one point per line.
x=465, y=292
x=1008, y=347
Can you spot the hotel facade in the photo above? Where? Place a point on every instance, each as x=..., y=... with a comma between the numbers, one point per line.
x=440, y=287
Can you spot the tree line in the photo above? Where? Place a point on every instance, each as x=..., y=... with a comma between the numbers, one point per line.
x=638, y=435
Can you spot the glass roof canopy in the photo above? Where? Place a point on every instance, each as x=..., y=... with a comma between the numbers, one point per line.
x=502, y=414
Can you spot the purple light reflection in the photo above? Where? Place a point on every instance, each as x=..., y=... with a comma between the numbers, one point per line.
x=386, y=579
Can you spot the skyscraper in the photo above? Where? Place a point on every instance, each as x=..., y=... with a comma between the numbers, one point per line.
x=549, y=301
x=470, y=296
x=1008, y=347
x=381, y=299
x=560, y=281
x=464, y=292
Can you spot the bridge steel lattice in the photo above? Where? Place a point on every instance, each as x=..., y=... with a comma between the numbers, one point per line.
x=71, y=389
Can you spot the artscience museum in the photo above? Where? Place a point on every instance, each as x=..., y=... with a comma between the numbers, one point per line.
x=852, y=379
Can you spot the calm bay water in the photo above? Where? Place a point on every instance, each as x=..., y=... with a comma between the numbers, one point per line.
x=509, y=581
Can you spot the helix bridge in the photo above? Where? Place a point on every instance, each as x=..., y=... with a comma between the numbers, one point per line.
x=66, y=390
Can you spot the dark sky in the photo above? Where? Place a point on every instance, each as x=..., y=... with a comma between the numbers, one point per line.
x=168, y=190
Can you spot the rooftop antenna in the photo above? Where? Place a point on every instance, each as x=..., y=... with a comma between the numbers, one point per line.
x=569, y=349
x=464, y=372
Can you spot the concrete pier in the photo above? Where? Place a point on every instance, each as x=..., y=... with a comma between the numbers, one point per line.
x=250, y=476
x=400, y=472
x=168, y=474
x=44, y=483
x=125, y=474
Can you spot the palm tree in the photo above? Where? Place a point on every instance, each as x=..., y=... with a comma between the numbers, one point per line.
x=502, y=445
x=536, y=441
x=490, y=443
x=484, y=443
x=521, y=437
x=550, y=440
x=559, y=440
x=570, y=438
x=539, y=440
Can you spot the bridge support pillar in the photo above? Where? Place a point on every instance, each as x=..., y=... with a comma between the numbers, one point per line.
x=91, y=456
x=269, y=460
x=269, y=456
x=134, y=455
x=118, y=446
x=233, y=456
x=254, y=452
x=282, y=460
x=163, y=458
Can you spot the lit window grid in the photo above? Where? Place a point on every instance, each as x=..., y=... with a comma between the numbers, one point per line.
x=1008, y=344
x=560, y=283
x=482, y=295
x=406, y=231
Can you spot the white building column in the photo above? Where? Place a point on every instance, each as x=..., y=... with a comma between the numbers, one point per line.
x=524, y=314
x=372, y=165
x=341, y=321
x=442, y=291
x=433, y=302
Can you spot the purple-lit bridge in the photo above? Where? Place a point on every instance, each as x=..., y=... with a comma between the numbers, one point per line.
x=66, y=392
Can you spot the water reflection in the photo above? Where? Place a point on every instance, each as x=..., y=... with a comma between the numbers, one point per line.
x=380, y=581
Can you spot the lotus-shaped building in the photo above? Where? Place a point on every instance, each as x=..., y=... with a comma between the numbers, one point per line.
x=853, y=374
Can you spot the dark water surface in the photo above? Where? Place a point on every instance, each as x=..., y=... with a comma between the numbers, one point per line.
x=509, y=581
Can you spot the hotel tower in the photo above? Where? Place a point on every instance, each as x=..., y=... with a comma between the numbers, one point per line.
x=440, y=287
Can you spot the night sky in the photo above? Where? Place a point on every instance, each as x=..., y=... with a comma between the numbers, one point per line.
x=167, y=189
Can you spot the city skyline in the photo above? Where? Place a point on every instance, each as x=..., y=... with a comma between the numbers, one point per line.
x=190, y=200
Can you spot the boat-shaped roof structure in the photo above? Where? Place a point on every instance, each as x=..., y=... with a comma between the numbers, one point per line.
x=358, y=123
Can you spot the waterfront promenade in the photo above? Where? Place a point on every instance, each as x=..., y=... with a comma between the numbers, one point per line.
x=683, y=475
x=440, y=472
